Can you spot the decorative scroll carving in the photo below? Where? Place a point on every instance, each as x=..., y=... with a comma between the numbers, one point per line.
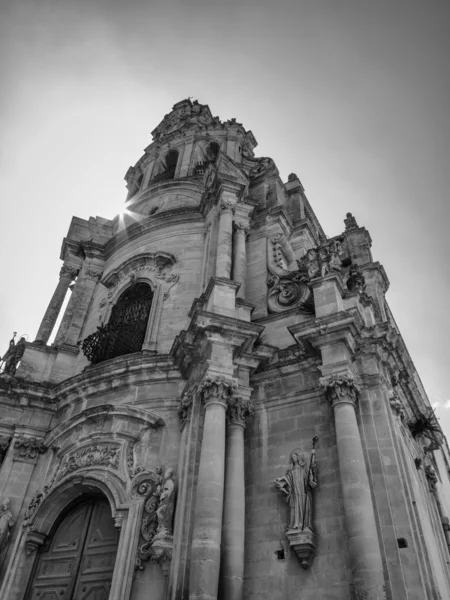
x=217, y=390
x=238, y=410
x=6, y=523
x=287, y=292
x=28, y=448
x=99, y=455
x=263, y=166
x=132, y=469
x=156, y=527
x=350, y=222
x=147, y=484
x=297, y=486
x=35, y=503
x=340, y=388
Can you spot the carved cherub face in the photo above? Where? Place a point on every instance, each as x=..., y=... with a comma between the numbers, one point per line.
x=5, y=504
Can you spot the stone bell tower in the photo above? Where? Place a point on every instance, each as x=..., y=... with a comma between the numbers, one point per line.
x=228, y=410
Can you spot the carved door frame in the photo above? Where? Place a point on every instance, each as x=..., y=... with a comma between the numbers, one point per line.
x=126, y=513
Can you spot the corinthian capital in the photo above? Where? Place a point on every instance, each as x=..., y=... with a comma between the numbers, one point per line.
x=340, y=388
x=68, y=271
x=238, y=410
x=217, y=390
x=241, y=227
x=227, y=206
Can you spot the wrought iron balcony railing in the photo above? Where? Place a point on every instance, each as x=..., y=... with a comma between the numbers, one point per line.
x=110, y=342
x=167, y=174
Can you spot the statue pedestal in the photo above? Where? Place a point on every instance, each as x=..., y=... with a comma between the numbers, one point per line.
x=302, y=542
x=161, y=551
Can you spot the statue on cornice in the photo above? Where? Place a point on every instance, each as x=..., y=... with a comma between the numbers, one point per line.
x=13, y=355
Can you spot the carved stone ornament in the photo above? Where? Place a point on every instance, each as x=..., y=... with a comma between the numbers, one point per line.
x=297, y=487
x=156, y=529
x=157, y=265
x=68, y=272
x=185, y=115
x=287, y=286
x=217, y=390
x=184, y=408
x=397, y=406
x=105, y=455
x=238, y=410
x=350, y=222
x=133, y=470
x=227, y=206
x=262, y=167
x=28, y=448
x=93, y=275
x=432, y=478
x=340, y=388
x=161, y=553
x=6, y=523
x=356, y=280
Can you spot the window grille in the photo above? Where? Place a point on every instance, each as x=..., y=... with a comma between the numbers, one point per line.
x=125, y=332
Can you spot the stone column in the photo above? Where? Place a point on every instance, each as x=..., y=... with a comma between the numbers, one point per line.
x=240, y=256
x=233, y=531
x=224, y=238
x=76, y=311
x=359, y=515
x=66, y=276
x=207, y=534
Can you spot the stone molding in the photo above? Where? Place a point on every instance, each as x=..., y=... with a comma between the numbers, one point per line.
x=28, y=448
x=217, y=390
x=340, y=389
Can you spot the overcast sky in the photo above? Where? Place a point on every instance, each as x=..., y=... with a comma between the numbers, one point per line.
x=353, y=96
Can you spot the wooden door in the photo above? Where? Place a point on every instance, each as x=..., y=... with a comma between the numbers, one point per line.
x=79, y=562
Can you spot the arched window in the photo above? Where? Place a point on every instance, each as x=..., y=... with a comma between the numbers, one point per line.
x=86, y=535
x=210, y=154
x=126, y=328
x=168, y=166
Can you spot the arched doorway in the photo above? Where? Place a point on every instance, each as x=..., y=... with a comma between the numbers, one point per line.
x=77, y=563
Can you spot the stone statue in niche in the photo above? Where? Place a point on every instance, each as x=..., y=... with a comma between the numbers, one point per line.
x=297, y=487
x=164, y=513
x=6, y=522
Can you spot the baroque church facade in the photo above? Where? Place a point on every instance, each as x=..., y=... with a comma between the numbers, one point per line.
x=228, y=409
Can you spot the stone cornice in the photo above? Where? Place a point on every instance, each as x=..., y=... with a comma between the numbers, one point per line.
x=117, y=373
x=154, y=223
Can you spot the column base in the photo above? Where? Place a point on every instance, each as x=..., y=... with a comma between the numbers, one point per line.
x=302, y=542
